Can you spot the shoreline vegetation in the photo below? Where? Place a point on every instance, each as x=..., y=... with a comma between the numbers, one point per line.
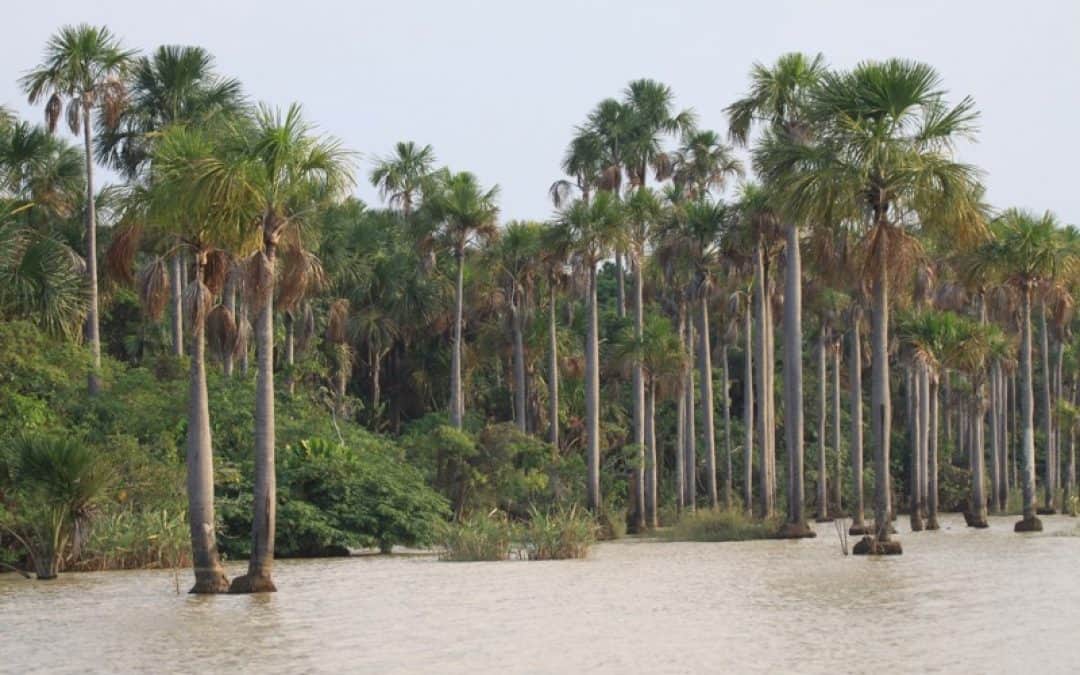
x=224, y=355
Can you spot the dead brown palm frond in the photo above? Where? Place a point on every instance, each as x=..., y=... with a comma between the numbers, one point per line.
x=924, y=281
x=301, y=274
x=153, y=287
x=258, y=276
x=895, y=249
x=197, y=302
x=113, y=100
x=337, y=322
x=306, y=330
x=215, y=270
x=951, y=296
x=222, y=333
x=243, y=334
x=120, y=256
x=1003, y=302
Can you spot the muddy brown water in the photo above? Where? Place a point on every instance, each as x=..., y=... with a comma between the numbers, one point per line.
x=958, y=600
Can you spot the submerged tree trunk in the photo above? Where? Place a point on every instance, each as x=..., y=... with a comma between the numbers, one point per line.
x=592, y=398
x=1030, y=521
x=651, y=478
x=823, y=467
x=748, y=415
x=457, y=411
x=932, y=458
x=1003, y=458
x=978, y=455
x=690, y=451
x=1047, y=413
x=708, y=429
x=638, y=386
x=858, y=505
x=793, y=393
x=680, y=420
x=176, y=301
x=995, y=436
x=209, y=574
x=915, y=436
x=93, y=330
x=763, y=386
x=258, y=577
x=553, y=371
x=880, y=403
x=838, y=482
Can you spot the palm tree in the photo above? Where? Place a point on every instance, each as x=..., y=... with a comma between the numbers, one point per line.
x=465, y=212
x=882, y=140
x=84, y=65
x=1023, y=250
x=584, y=162
x=779, y=96
x=277, y=170
x=402, y=177
x=703, y=163
x=594, y=228
x=554, y=257
x=174, y=85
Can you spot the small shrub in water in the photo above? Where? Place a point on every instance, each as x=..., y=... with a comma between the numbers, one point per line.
x=477, y=537
x=706, y=525
x=558, y=535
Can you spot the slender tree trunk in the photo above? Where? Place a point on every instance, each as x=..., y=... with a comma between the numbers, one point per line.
x=1058, y=386
x=241, y=325
x=763, y=385
x=1003, y=457
x=793, y=393
x=620, y=277
x=176, y=299
x=519, y=368
x=1030, y=521
x=690, y=460
x=263, y=528
x=822, y=467
x=592, y=397
x=770, y=399
x=924, y=441
x=651, y=478
x=290, y=353
x=1047, y=412
x=638, y=385
x=858, y=514
x=209, y=574
x=1014, y=410
x=838, y=481
x=726, y=399
x=748, y=415
x=932, y=458
x=93, y=331
x=457, y=412
x=680, y=420
x=708, y=428
x=949, y=410
x=880, y=403
x=978, y=460
x=553, y=370
x=995, y=436
x=915, y=436
x=229, y=300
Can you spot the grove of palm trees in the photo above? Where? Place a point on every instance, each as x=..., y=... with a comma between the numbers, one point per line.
x=802, y=311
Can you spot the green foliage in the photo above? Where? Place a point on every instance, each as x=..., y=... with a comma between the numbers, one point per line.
x=706, y=525
x=558, y=534
x=477, y=537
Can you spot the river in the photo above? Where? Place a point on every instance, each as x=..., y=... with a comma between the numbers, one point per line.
x=958, y=600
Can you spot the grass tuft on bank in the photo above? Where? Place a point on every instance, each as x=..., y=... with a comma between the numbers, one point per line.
x=707, y=525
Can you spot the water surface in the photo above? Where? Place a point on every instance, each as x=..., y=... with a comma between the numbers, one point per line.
x=958, y=600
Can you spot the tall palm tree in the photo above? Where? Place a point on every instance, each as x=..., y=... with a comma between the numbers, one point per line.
x=881, y=146
x=554, y=257
x=465, y=213
x=779, y=96
x=703, y=163
x=595, y=228
x=174, y=85
x=1023, y=250
x=278, y=170
x=402, y=176
x=84, y=66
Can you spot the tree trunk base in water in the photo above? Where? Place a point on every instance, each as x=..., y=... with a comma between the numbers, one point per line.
x=1032, y=524
x=916, y=523
x=210, y=584
x=795, y=531
x=1046, y=511
x=976, y=521
x=858, y=529
x=932, y=523
x=252, y=584
x=823, y=519
x=869, y=545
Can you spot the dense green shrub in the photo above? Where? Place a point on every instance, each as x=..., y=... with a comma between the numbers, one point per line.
x=477, y=537
x=558, y=534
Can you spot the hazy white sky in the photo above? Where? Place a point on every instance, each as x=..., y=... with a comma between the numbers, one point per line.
x=496, y=87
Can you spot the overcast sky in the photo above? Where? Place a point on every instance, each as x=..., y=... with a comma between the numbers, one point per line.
x=496, y=87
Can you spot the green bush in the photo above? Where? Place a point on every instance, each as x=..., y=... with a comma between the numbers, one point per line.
x=559, y=534
x=707, y=525
x=476, y=538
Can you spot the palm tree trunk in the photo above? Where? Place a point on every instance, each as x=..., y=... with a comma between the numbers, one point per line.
x=1047, y=412
x=978, y=460
x=770, y=398
x=932, y=458
x=176, y=297
x=93, y=331
x=822, y=467
x=880, y=402
x=620, y=277
x=553, y=370
x=925, y=406
x=1003, y=457
x=708, y=429
x=915, y=435
x=457, y=412
x=241, y=325
x=592, y=397
x=726, y=399
x=1058, y=387
x=690, y=451
x=838, y=482
x=748, y=414
x=680, y=420
x=1030, y=521
x=793, y=391
x=519, y=368
x=763, y=384
x=651, y=478
x=638, y=384
x=995, y=436
x=1014, y=411
x=263, y=528
x=858, y=515
x=229, y=300
x=290, y=353
x=209, y=574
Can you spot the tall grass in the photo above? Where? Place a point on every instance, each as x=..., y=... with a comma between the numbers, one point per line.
x=477, y=537
x=547, y=535
x=559, y=535
x=707, y=525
